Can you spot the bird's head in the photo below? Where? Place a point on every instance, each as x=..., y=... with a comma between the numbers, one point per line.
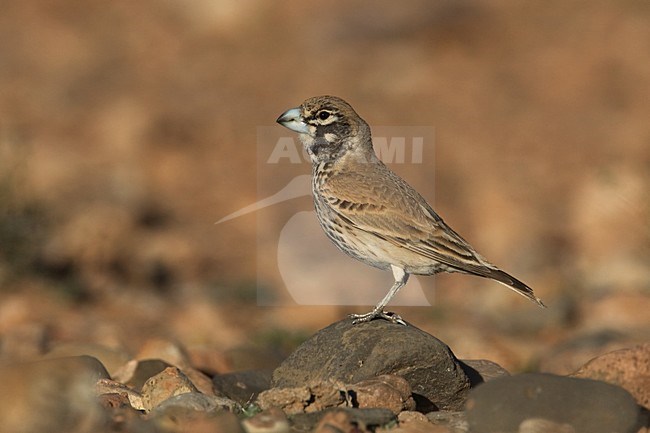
x=329, y=128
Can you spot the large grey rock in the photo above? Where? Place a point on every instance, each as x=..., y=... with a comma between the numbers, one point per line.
x=528, y=401
x=352, y=353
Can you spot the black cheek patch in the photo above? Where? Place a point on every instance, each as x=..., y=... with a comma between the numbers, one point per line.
x=318, y=144
x=333, y=128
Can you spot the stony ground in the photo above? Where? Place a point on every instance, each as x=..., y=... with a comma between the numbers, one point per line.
x=128, y=128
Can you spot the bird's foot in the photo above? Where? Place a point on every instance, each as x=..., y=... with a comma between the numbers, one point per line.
x=377, y=314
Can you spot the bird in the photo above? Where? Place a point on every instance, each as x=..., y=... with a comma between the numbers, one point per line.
x=372, y=214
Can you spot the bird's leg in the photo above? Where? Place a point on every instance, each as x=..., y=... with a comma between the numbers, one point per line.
x=401, y=277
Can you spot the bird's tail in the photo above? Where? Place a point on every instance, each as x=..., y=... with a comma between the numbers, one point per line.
x=512, y=283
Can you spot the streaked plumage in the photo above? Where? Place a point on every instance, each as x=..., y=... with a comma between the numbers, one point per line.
x=372, y=214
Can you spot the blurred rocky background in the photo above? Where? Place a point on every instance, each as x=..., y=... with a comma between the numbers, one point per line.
x=128, y=128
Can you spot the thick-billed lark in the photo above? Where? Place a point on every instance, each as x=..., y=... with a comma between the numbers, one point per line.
x=372, y=214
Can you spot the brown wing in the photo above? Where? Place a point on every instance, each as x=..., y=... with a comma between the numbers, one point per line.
x=374, y=199
x=377, y=201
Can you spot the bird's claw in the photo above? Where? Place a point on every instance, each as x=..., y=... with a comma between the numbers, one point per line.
x=377, y=314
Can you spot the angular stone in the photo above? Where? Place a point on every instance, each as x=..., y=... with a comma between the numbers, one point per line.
x=627, y=368
x=352, y=353
x=111, y=387
x=385, y=391
x=504, y=405
x=135, y=373
x=165, y=350
x=168, y=383
x=313, y=397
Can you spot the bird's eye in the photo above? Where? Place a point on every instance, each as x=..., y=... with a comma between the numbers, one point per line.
x=323, y=115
